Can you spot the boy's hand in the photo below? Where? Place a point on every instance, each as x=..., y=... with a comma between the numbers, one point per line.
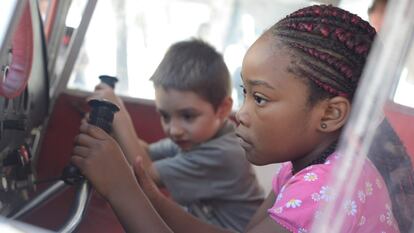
x=122, y=119
x=104, y=91
x=101, y=160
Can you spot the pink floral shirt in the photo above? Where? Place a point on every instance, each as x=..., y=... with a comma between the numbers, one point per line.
x=298, y=198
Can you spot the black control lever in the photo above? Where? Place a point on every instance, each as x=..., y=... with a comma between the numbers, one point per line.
x=110, y=80
x=102, y=115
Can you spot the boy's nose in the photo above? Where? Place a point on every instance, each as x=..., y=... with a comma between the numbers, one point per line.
x=176, y=130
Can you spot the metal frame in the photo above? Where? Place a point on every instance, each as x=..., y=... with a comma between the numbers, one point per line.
x=53, y=44
x=61, y=80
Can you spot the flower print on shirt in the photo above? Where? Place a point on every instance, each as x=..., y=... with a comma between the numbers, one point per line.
x=350, y=207
x=316, y=197
x=361, y=196
x=368, y=189
x=277, y=210
x=326, y=193
x=309, y=168
x=310, y=176
x=382, y=218
x=362, y=221
x=302, y=230
x=378, y=182
x=388, y=215
x=293, y=203
x=279, y=197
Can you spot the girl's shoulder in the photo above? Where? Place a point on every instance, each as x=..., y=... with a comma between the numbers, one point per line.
x=300, y=196
x=322, y=170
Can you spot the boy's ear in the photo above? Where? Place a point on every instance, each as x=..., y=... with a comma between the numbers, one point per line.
x=224, y=109
x=335, y=114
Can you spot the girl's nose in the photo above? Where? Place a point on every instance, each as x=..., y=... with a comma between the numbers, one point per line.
x=242, y=116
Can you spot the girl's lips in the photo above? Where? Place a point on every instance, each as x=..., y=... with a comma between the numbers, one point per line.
x=247, y=146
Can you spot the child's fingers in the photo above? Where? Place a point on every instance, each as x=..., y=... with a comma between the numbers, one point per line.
x=84, y=140
x=81, y=151
x=101, y=92
x=137, y=166
x=102, y=86
x=78, y=161
x=93, y=131
x=139, y=171
x=84, y=120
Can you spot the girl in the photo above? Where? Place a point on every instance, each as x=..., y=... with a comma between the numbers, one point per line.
x=299, y=79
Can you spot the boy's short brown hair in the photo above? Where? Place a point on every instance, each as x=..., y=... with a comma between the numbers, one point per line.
x=195, y=66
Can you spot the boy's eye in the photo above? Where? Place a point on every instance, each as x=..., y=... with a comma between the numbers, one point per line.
x=189, y=116
x=165, y=117
x=259, y=100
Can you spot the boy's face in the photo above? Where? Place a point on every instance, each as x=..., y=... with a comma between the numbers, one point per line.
x=275, y=119
x=186, y=118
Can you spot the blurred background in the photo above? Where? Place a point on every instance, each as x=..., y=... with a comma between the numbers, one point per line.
x=128, y=38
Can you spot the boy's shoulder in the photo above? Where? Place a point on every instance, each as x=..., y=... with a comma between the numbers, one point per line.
x=224, y=140
x=224, y=147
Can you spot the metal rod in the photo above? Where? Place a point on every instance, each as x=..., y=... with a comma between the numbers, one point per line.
x=53, y=190
x=83, y=195
x=73, y=51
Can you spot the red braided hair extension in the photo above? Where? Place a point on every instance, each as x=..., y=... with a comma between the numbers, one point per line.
x=336, y=41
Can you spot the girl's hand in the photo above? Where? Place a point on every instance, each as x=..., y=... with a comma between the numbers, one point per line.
x=145, y=181
x=101, y=161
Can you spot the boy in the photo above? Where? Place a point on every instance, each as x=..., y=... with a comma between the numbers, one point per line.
x=201, y=163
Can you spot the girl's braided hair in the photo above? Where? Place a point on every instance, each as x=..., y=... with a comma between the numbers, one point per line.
x=331, y=45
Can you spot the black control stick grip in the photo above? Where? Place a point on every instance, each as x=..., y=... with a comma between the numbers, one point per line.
x=109, y=80
x=101, y=115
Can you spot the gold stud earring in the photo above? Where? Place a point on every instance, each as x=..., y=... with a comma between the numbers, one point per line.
x=323, y=125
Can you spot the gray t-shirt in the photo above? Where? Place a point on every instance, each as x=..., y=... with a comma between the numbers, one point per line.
x=214, y=180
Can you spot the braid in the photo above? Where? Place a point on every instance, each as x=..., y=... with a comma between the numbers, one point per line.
x=332, y=45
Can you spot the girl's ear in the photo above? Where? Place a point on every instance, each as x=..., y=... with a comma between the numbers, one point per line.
x=335, y=115
x=224, y=109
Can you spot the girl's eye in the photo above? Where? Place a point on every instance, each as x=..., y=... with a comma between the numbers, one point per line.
x=243, y=90
x=259, y=100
